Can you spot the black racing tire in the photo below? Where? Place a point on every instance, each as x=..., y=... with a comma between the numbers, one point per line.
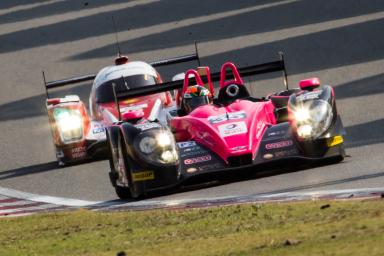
x=339, y=159
x=118, y=159
x=123, y=193
x=112, y=149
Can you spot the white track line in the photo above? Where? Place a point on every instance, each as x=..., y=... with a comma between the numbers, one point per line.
x=321, y=193
x=29, y=209
x=45, y=199
x=55, y=201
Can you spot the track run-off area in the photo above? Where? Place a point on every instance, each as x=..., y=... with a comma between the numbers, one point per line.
x=338, y=41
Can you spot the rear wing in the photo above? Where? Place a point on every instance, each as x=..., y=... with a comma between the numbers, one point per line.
x=263, y=68
x=74, y=80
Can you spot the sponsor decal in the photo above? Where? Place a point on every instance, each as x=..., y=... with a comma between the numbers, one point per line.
x=98, y=130
x=225, y=117
x=134, y=107
x=214, y=166
x=258, y=128
x=197, y=159
x=79, y=152
x=191, y=170
x=232, y=129
x=284, y=153
x=239, y=148
x=147, y=126
x=197, y=152
x=141, y=176
x=59, y=154
x=310, y=95
x=280, y=144
x=186, y=144
x=190, y=149
x=276, y=133
x=268, y=156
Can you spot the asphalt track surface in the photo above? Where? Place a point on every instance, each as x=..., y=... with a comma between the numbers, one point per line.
x=340, y=41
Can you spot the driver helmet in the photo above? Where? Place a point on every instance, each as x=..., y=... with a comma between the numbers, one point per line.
x=194, y=97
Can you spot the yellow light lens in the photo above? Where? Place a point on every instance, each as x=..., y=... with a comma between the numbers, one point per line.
x=335, y=141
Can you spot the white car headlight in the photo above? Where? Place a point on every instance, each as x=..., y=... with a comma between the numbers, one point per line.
x=312, y=118
x=163, y=139
x=147, y=145
x=157, y=146
x=169, y=156
x=69, y=123
x=302, y=114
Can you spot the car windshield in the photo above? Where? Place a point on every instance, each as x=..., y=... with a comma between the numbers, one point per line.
x=104, y=93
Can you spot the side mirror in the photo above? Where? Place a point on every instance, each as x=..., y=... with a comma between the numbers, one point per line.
x=309, y=84
x=132, y=115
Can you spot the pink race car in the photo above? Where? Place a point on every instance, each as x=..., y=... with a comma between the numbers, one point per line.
x=206, y=134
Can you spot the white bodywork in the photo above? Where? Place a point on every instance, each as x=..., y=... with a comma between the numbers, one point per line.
x=129, y=69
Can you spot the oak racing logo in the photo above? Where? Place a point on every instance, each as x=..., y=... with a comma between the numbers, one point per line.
x=225, y=117
x=280, y=144
x=197, y=159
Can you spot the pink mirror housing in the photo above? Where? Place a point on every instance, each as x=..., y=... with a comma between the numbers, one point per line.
x=131, y=115
x=309, y=84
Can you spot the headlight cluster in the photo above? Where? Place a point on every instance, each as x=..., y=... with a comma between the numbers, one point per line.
x=69, y=123
x=157, y=147
x=312, y=118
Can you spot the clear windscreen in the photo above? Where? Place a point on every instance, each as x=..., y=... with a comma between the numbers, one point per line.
x=104, y=93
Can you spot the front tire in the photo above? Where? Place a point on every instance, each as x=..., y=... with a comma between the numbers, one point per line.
x=119, y=165
x=123, y=169
x=123, y=193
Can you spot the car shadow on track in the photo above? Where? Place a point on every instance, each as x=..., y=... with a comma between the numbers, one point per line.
x=251, y=174
x=35, y=106
x=140, y=15
x=276, y=168
x=27, y=170
x=37, y=168
x=365, y=134
x=247, y=22
x=49, y=8
x=371, y=85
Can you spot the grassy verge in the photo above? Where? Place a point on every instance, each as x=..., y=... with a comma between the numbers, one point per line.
x=303, y=228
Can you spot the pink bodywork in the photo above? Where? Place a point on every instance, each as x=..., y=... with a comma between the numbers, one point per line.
x=238, y=127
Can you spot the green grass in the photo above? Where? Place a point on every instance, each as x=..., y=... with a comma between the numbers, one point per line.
x=344, y=228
